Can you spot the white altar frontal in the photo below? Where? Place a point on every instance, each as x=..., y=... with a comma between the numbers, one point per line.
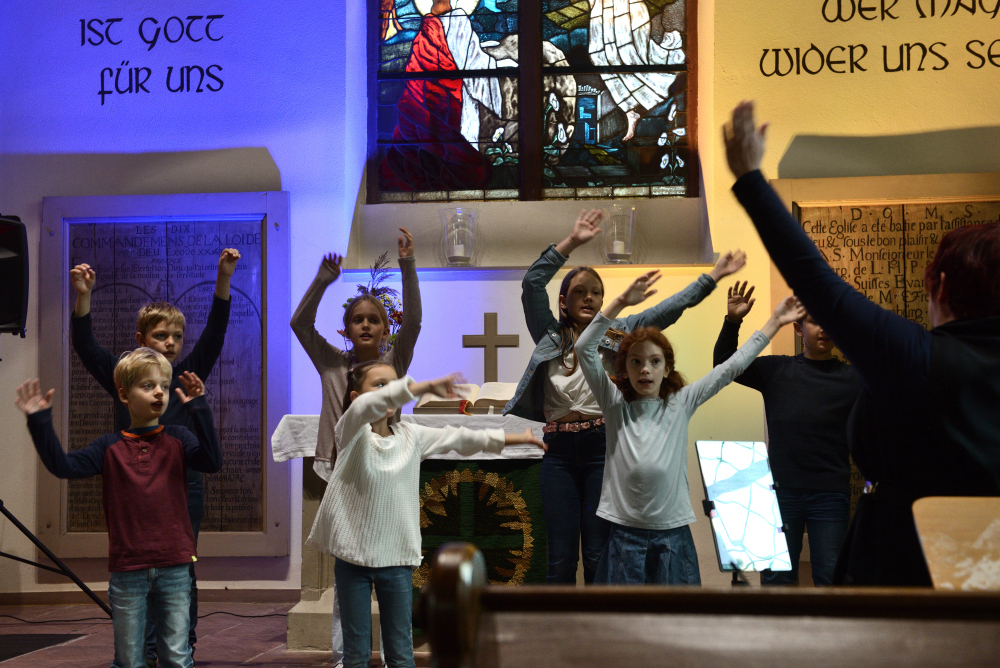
x=309, y=621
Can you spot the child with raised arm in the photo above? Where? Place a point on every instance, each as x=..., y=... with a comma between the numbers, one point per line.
x=647, y=406
x=143, y=472
x=807, y=400
x=366, y=326
x=370, y=515
x=161, y=327
x=553, y=390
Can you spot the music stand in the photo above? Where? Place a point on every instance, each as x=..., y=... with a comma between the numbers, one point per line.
x=62, y=568
x=742, y=507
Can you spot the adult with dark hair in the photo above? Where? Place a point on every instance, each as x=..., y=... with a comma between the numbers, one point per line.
x=807, y=400
x=927, y=422
x=553, y=390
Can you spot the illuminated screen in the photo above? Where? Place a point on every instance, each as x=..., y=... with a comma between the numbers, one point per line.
x=745, y=520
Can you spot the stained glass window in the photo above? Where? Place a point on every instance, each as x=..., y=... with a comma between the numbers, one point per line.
x=611, y=77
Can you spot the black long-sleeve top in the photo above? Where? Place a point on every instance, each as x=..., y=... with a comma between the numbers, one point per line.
x=144, y=482
x=928, y=421
x=101, y=362
x=807, y=403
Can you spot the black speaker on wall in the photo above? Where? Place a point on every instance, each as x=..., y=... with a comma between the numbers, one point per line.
x=13, y=275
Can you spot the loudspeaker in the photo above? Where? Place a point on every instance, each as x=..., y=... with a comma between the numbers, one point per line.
x=13, y=275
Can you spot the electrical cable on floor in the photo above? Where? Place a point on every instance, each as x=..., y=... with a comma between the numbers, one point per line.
x=105, y=619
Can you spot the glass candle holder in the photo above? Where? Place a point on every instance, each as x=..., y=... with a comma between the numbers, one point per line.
x=619, y=220
x=459, y=235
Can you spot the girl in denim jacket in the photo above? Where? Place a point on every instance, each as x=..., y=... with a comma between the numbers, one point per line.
x=553, y=390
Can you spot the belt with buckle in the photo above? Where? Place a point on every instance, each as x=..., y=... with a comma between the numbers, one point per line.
x=572, y=426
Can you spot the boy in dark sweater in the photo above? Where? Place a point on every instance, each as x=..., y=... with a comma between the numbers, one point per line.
x=144, y=478
x=160, y=327
x=807, y=400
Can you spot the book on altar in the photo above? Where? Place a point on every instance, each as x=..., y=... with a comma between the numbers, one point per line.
x=475, y=399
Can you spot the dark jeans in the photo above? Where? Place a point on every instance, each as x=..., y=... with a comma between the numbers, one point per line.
x=196, y=511
x=649, y=556
x=394, y=592
x=572, y=472
x=826, y=515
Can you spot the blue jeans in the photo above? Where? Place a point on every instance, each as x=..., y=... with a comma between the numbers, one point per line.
x=649, y=556
x=827, y=515
x=570, y=479
x=394, y=592
x=196, y=511
x=166, y=593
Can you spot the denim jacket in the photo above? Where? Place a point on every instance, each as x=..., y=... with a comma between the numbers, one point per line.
x=544, y=327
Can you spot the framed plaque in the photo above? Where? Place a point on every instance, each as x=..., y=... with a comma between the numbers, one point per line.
x=147, y=248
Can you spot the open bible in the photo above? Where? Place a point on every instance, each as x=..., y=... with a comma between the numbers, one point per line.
x=472, y=399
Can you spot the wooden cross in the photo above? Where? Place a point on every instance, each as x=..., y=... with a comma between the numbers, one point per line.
x=489, y=340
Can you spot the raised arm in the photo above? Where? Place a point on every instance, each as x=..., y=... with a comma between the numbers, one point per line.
x=889, y=352
x=372, y=406
x=304, y=318
x=227, y=265
x=534, y=298
x=409, y=330
x=669, y=311
x=82, y=277
x=83, y=463
x=606, y=393
x=205, y=353
x=788, y=311
x=202, y=451
x=738, y=304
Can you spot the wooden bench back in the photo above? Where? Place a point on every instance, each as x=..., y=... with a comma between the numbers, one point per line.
x=471, y=624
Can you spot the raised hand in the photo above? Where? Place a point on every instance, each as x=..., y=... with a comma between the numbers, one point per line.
x=789, y=310
x=728, y=263
x=405, y=245
x=227, y=261
x=586, y=227
x=639, y=291
x=739, y=302
x=526, y=437
x=744, y=140
x=82, y=278
x=332, y=263
x=193, y=387
x=30, y=398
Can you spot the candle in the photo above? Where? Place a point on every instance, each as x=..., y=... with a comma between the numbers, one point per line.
x=458, y=250
x=618, y=247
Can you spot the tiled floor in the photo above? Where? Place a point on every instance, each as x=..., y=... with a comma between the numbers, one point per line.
x=223, y=639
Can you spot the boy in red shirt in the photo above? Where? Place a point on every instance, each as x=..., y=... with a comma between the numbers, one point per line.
x=144, y=477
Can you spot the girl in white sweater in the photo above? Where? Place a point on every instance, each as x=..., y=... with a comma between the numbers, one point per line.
x=369, y=517
x=647, y=406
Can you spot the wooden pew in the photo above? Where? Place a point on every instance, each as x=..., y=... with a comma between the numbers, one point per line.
x=472, y=624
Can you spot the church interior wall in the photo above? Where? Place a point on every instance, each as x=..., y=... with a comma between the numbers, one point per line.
x=292, y=112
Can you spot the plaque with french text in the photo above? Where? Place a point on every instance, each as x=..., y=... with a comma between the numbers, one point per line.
x=177, y=262
x=883, y=249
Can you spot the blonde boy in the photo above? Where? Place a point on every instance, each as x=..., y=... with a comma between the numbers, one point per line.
x=143, y=473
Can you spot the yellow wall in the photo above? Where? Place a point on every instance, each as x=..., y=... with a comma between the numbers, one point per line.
x=733, y=34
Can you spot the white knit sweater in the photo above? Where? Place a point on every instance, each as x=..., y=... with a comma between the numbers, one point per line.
x=370, y=514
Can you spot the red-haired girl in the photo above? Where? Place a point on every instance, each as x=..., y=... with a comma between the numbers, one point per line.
x=647, y=406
